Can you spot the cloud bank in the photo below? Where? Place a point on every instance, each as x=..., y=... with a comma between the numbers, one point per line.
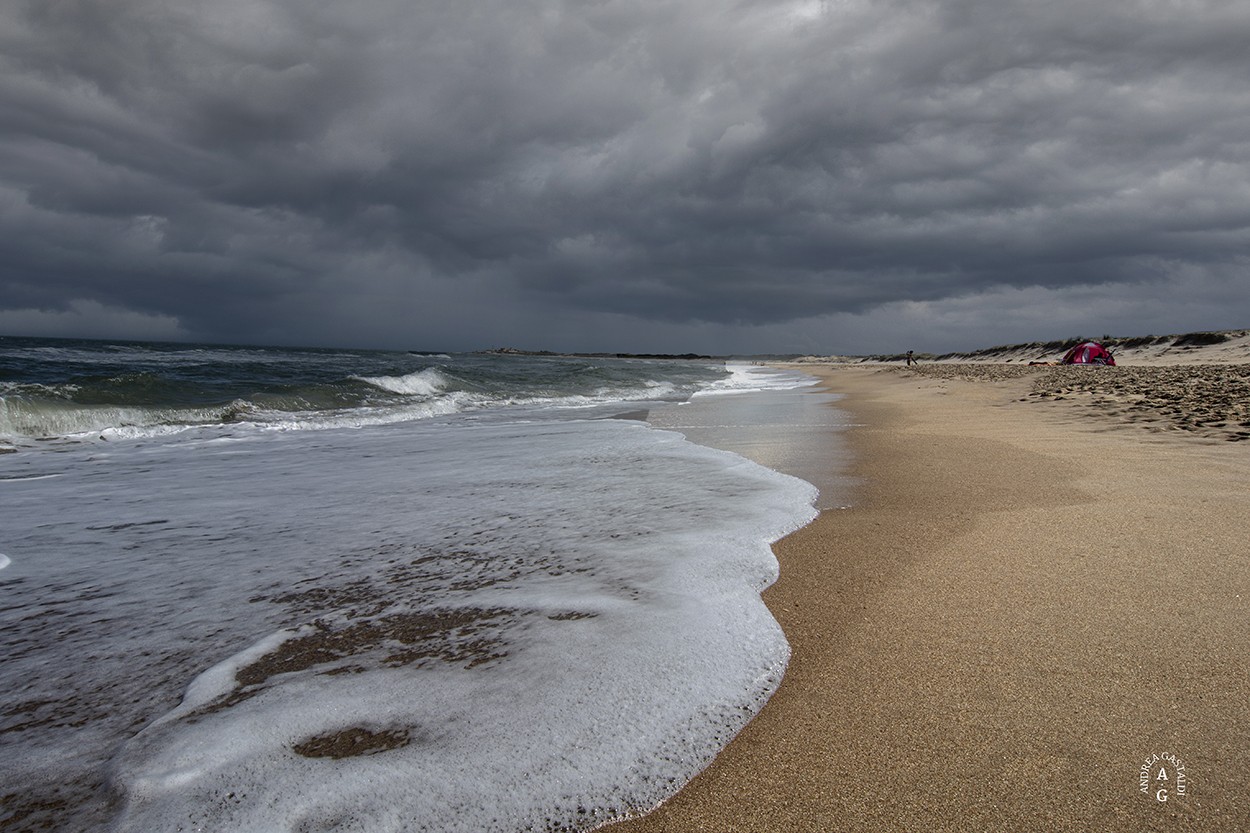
x=719, y=176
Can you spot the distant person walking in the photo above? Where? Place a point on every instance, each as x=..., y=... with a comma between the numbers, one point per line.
x=911, y=359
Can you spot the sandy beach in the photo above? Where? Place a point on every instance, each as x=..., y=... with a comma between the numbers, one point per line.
x=1036, y=607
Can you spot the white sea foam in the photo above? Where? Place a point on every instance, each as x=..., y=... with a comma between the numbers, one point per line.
x=598, y=582
x=632, y=645
x=427, y=382
x=748, y=378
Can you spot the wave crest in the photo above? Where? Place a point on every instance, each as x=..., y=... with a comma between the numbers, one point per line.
x=426, y=382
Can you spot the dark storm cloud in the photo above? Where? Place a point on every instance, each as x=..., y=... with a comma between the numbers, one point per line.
x=287, y=169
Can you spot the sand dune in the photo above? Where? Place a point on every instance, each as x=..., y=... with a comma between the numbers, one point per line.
x=1216, y=347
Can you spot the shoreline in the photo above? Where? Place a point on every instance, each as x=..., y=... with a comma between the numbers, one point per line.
x=1023, y=605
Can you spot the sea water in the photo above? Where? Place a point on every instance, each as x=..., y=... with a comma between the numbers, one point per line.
x=279, y=590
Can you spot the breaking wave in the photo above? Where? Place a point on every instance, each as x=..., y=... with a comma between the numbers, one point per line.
x=426, y=382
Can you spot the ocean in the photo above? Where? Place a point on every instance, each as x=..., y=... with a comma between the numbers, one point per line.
x=271, y=589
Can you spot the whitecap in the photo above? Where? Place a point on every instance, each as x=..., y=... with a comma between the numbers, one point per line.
x=422, y=383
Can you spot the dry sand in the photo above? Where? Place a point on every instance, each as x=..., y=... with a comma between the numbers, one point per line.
x=1039, y=587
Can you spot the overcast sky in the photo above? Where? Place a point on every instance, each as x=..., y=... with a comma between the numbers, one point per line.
x=689, y=175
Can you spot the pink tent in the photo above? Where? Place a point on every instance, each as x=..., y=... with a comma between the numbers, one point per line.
x=1089, y=352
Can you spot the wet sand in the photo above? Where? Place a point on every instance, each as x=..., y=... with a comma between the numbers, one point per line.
x=1037, y=590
